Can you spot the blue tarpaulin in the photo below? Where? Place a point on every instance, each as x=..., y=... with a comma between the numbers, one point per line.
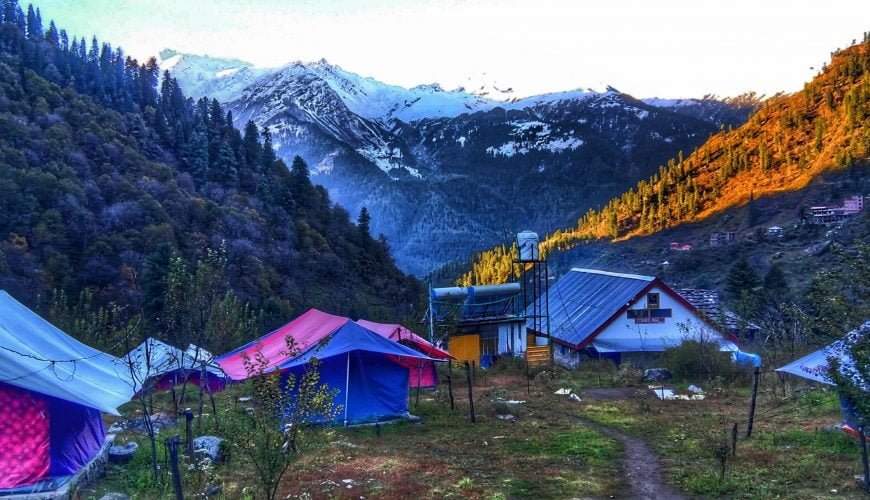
x=358, y=363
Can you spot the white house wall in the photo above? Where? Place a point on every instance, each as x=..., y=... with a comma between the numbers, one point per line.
x=627, y=335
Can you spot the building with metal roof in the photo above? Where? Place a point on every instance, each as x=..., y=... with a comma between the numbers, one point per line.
x=481, y=322
x=595, y=313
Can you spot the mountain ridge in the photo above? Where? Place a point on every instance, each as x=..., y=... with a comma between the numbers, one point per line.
x=463, y=166
x=790, y=141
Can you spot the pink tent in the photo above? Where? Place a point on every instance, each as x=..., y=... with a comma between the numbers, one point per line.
x=306, y=331
x=422, y=373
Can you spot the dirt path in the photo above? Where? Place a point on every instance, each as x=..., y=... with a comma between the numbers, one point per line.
x=642, y=469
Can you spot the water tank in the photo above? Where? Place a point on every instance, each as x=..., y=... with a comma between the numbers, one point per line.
x=527, y=241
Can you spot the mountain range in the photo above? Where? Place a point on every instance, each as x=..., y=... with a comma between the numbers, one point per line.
x=445, y=173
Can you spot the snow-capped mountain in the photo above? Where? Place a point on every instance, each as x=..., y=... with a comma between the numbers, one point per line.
x=443, y=173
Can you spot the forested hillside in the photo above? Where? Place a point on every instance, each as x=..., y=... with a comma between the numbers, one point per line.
x=790, y=141
x=112, y=183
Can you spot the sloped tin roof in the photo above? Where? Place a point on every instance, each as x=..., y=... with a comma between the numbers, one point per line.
x=584, y=299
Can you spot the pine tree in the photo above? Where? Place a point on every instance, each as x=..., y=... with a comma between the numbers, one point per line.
x=267, y=157
x=775, y=284
x=52, y=36
x=225, y=166
x=302, y=189
x=154, y=273
x=196, y=153
x=363, y=222
x=251, y=149
x=34, y=24
x=741, y=278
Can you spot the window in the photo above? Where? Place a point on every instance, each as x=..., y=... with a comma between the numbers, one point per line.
x=652, y=301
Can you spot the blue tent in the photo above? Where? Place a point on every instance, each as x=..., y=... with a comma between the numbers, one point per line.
x=52, y=390
x=362, y=366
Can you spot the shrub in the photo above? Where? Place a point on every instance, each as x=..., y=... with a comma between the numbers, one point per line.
x=701, y=360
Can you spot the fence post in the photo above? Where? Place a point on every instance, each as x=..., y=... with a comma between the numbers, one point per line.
x=172, y=447
x=864, y=458
x=470, y=395
x=734, y=440
x=188, y=433
x=755, y=377
x=419, y=378
x=450, y=382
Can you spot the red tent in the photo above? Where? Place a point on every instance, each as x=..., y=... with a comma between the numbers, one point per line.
x=422, y=373
x=306, y=331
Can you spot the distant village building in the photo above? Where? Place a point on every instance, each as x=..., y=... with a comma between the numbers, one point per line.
x=678, y=247
x=722, y=238
x=599, y=314
x=835, y=214
x=775, y=231
x=853, y=205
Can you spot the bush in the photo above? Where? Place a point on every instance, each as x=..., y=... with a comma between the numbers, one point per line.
x=628, y=374
x=701, y=360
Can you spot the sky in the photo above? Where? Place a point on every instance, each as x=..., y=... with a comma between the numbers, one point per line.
x=666, y=48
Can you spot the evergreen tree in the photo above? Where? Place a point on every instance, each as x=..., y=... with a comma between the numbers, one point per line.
x=196, y=153
x=267, y=157
x=34, y=24
x=301, y=183
x=251, y=149
x=775, y=284
x=154, y=274
x=52, y=36
x=225, y=166
x=741, y=278
x=363, y=222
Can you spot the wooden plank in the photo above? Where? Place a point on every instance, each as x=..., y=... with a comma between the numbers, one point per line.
x=536, y=355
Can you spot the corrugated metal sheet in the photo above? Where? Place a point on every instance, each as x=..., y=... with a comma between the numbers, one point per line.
x=584, y=299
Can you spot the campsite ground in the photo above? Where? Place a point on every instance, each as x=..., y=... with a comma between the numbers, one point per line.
x=611, y=443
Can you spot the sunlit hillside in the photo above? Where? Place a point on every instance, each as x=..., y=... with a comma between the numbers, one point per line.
x=790, y=141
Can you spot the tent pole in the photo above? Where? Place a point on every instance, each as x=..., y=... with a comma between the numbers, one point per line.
x=431, y=316
x=346, y=388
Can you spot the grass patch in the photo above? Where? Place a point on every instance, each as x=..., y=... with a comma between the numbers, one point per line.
x=612, y=415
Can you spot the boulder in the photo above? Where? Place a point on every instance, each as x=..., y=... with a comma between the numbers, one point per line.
x=209, y=447
x=656, y=375
x=122, y=454
x=114, y=496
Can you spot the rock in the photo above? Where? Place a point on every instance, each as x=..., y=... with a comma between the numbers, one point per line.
x=122, y=454
x=656, y=375
x=158, y=421
x=212, y=491
x=117, y=427
x=210, y=447
x=115, y=496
